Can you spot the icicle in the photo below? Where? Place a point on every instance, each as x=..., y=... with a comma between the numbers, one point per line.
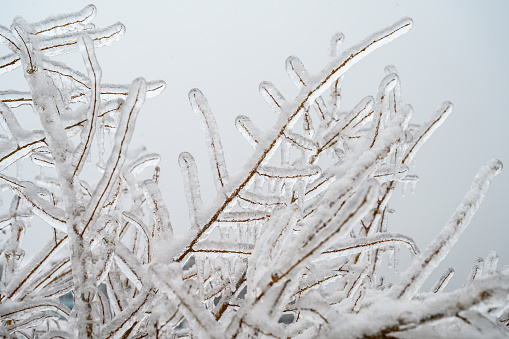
x=100, y=144
x=413, y=183
x=396, y=258
x=114, y=291
x=19, y=169
x=409, y=180
x=390, y=258
x=224, y=232
x=258, y=184
x=200, y=274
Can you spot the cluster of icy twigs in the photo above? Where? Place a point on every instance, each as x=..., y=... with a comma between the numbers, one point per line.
x=291, y=247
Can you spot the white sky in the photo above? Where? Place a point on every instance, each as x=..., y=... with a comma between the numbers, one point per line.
x=457, y=51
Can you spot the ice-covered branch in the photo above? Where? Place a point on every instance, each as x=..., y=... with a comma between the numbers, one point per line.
x=420, y=269
x=292, y=243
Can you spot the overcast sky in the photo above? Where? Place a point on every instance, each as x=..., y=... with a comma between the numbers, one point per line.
x=456, y=51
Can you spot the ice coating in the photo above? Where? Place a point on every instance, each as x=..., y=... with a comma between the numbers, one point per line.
x=297, y=71
x=124, y=133
x=209, y=126
x=192, y=187
x=272, y=96
x=59, y=24
x=364, y=244
x=427, y=129
x=443, y=280
x=248, y=130
x=295, y=241
x=67, y=203
x=416, y=274
x=86, y=46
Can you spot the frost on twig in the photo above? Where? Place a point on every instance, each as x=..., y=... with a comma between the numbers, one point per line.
x=291, y=247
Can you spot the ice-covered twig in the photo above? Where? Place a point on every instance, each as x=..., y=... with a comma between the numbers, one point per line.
x=426, y=130
x=308, y=93
x=94, y=72
x=443, y=280
x=418, y=272
x=364, y=244
x=203, y=112
x=192, y=187
x=123, y=136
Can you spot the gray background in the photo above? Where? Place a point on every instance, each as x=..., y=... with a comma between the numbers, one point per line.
x=456, y=51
